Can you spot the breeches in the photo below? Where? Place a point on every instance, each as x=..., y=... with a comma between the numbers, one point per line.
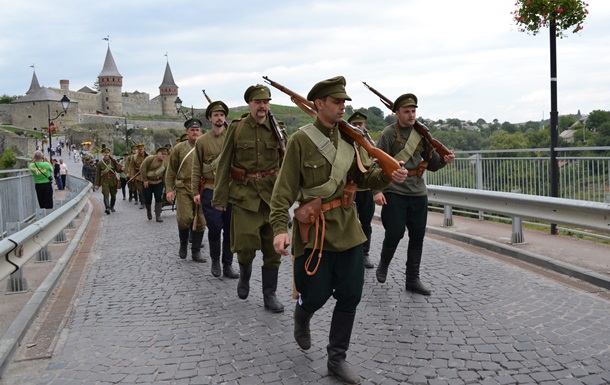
x=153, y=189
x=404, y=211
x=185, y=211
x=365, y=206
x=251, y=231
x=109, y=187
x=217, y=221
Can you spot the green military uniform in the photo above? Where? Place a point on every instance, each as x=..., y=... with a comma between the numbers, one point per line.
x=178, y=180
x=153, y=173
x=319, y=162
x=135, y=164
x=131, y=184
x=247, y=170
x=106, y=174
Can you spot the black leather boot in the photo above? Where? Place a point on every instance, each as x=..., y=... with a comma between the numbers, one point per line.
x=243, y=285
x=387, y=254
x=148, y=211
x=141, y=201
x=158, y=209
x=130, y=195
x=227, y=260
x=302, y=334
x=412, y=282
x=340, y=333
x=106, y=206
x=184, y=242
x=197, y=238
x=269, y=289
x=215, y=256
x=366, y=246
x=112, y=203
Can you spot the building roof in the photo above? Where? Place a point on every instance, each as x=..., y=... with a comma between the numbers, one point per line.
x=168, y=78
x=109, y=66
x=34, y=85
x=87, y=90
x=42, y=94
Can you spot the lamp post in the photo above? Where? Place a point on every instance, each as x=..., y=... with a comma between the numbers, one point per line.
x=178, y=104
x=117, y=125
x=65, y=103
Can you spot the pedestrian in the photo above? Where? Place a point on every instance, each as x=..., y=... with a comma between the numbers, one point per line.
x=122, y=175
x=63, y=173
x=179, y=188
x=405, y=205
x=365, y=206
x=153, y=174
x=106, y=175
x=247, y=169
x=56, y=176
x=43, y=177
x=134, y=172
x=205, y=161
x=320, y=171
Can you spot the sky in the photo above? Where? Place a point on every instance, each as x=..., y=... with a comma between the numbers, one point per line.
x=463, y=59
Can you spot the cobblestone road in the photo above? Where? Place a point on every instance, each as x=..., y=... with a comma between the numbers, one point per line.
x=144, y=316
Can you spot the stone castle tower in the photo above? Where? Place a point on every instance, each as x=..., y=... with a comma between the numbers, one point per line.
x=168, y=91
x=110, y=84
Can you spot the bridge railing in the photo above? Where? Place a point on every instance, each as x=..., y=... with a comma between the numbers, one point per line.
x=17, y=197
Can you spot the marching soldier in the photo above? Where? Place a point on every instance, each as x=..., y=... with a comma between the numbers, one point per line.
x=131, y=184
x=136, y=163
x=179, y=187
x=153, y=174
x=207, y=149
x=106, y=175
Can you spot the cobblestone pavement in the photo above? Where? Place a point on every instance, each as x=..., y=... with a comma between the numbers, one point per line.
x=144, y=316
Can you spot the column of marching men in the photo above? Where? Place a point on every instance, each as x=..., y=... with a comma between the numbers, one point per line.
x=240, y=180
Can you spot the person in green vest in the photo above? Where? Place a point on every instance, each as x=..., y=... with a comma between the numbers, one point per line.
x=42, y=172
x=320, y=171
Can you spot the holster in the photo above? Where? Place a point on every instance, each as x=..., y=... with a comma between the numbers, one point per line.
x=307, y=214
x=238, y=174
x=349, y=195
x=421, y=168
x=201, y=185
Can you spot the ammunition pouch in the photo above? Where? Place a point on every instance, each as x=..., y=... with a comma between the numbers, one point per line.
x=349, y=195
x=238, y=174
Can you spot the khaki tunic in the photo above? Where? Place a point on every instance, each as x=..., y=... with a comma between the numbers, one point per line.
x=106, y=176
x=178, y=179
x=304, y=166
x=151, y=170
x=207, y=149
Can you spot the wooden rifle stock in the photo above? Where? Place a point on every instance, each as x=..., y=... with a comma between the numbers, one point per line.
x=421, y=129
x=207, y=97
x=278, y=133
x=387, y=163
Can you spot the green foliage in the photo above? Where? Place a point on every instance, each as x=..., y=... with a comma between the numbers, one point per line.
x=5, y=99
x=533, y=15
x=8, y=159
x=596, y=119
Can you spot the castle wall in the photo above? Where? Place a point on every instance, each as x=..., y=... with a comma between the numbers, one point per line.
x=36, y=114
x=6, y=116
x=140, y=105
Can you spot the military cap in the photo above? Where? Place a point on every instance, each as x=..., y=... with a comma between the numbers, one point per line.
x=193, y=122
x=134, y=146
x=162, y=150
x=257, y=92
x=357, y=117
x=106, y=150
x=216, y=106
x=334, y=87
x=140, y=146
x=405, y=100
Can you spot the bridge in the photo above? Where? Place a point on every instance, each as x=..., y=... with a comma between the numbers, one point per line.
x=121, y=307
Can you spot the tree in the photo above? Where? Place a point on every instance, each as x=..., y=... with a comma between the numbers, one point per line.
x=8, y=159
x=5, y=99
x=596, y=119
x=566, y=121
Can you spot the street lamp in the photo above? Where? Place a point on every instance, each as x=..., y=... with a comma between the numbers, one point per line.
x=117, y=125
x=178, y=104
x=65, y=103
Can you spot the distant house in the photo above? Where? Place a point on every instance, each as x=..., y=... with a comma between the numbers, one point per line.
x=568, y=135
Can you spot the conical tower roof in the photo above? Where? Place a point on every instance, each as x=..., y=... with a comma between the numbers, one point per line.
x=34, y=85
x=109, y=66
x=168, y=78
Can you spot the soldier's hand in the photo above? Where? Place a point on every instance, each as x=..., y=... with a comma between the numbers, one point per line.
x=169, y=196
x=197, y=199
x=220, y=208
x=280, y=242
x=145, y=184
x=379, y=199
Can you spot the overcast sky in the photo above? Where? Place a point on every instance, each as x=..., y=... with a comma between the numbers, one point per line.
x=463, y=59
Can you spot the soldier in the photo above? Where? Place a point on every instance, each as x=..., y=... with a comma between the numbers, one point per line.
x=123, y=175
x=179, y=187
x=131, y=185
x=207, y=149
x=136, y=163
x=365, y=206
x=153, y=174
x=106, y=175
x=320, y=170
x=247, y=169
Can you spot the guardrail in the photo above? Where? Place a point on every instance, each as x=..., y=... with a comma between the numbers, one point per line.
x=17, y=249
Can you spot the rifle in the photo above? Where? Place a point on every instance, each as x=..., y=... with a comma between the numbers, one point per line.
x=207, y=97
x=419, y=127
x=134, y=177
x=278, y=133
x=387, y=163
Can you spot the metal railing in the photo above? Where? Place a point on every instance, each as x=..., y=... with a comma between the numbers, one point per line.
x=18, y=201
x=584, y=178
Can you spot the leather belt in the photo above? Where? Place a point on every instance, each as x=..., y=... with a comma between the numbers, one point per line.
x=259, y=175
x=186, y=181
x=331, y=205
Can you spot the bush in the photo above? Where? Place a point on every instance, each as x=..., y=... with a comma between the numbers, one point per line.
x=8, y=159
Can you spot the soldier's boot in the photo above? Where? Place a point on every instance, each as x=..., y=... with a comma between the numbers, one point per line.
x=141, y=201
x=387, y=253
x=366, y=247
x=227, y=260
x=158, y=209
x=412, y=282
x=340, y=334
x=148, y=211
x=124, y=195
x=197, y=238
x=269, y=289
x=215, y=256
x=106, y=206
x=112, y=203
x=184, y=242
x=243, y=285
x=130, y=195
x=302, y=334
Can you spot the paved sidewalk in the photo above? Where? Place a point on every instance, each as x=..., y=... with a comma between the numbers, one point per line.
x=144, y=316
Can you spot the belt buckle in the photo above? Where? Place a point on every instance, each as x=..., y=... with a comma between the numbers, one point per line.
x=259, y=175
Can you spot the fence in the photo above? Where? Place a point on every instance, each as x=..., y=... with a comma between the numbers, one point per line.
x=17, y=198
x=527, y=170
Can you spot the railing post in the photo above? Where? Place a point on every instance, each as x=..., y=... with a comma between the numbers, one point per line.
x=448, y=213
x=480, y=179
x=61, y=236
x=517, y=235
x=16, y=282
x=44, y=255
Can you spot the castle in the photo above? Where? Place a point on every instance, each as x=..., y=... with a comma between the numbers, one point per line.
x=33, y=110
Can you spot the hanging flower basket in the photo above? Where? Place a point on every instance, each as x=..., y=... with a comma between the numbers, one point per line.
x=533, y=15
